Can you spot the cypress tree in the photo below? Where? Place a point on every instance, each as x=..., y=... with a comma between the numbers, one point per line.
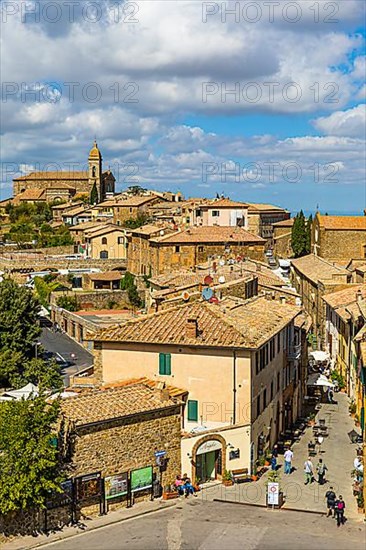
x=94, y=195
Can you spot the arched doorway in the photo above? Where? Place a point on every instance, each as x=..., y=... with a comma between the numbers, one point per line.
x=209, y=458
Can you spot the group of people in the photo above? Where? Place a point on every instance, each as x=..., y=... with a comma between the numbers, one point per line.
x=185, y=487
x=321, y=469
x=336, y=506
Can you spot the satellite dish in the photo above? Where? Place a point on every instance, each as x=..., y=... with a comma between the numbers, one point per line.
x=222, y=263
x=214, y=300
x=208, y=280
x=162, y=232
x=221, y=279
x=185, y=296
x=207, y=293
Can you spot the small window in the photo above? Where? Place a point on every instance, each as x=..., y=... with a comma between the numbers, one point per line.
x=264, y=399
x=200, y=249
x=104, y=240
x=192, y=410
x=177, y=249
x=121, y=240
x=215, y=213
x=131, y=210
x=165, y=364
x=103, y=255
x=258, y=405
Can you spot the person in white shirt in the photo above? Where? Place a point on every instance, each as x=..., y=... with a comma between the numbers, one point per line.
x=308, y=471
x=288, y=456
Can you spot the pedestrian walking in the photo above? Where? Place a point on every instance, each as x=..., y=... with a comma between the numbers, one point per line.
x=331, y=499
x=339, y=510
x=308, y=471
x=288, y=456
x=275, y=451
x=274, y=463
x=321, y=469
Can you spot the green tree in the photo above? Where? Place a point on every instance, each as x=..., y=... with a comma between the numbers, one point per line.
x=298, y=236
x=29, y=462
x=127, y=281
x=19, y=331
x=70, y=303
x=94, y=195
x=134, y=223
x=309, y=224
x=43, y=289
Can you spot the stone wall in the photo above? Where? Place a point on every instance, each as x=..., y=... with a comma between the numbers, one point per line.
x=129, y=443
x=80, y=185
x=282, y=242
x=98, y=299
x=34, y=521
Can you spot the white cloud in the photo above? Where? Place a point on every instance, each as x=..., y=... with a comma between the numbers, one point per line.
x=351, y=122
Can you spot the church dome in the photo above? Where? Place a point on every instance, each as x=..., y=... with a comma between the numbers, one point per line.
x=94, y=152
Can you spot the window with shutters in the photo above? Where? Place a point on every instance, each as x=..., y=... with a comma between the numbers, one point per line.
x=192, y=410
x=165, y=363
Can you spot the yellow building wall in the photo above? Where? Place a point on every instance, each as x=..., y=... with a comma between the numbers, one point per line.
x=206, y=375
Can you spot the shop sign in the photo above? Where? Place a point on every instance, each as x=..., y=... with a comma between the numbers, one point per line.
x=141, y=479
x=208, y=446
x=116, y=486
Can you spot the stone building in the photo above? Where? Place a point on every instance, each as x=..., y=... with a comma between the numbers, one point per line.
x=223, y=212
x=121, y=208
x=191, y=247
x=106, y=242
x=239, y=361
x=313, y=277
x=262, y=217
x=339, y=238
x=345, y=325
x=118, y=429
x=282, y=234
x=63, y=185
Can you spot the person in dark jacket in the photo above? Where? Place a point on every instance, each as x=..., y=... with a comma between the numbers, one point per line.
x=331, y=498
x=339, y=510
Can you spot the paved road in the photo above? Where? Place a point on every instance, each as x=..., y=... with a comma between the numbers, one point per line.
x=64, y=346
x=196, y=524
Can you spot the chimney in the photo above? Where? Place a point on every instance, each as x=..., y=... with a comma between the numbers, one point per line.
x=191, y=328
x=359, y=296
x=164, y=395
x=283, y=299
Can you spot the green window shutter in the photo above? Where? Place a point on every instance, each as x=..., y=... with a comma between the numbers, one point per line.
x=362, y=419
x=165, y=363
x=168, y=364
x=192, y=410
x=161, y=363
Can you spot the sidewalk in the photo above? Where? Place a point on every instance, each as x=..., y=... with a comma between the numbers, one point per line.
x=338, y=454
x=140, y=509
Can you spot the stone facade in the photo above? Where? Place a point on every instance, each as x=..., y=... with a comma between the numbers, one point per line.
x=339, y=238
x=282, y=241
x=129, y=443
x=63, y=185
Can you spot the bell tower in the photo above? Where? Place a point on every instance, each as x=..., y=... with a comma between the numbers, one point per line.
x=95, y=174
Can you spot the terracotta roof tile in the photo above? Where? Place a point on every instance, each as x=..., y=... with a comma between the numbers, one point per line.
x=247, y=325
x=213, y=234
x=103, y=405
x=316, y=268
x=352, y=223
x=54, y=176
x=106, y=276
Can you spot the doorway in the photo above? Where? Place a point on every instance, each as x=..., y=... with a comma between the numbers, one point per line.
x=209, y=465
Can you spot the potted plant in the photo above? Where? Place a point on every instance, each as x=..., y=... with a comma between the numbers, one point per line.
x=267, y=460
x=311, y=419
x=352, y=408
x=227, y=479
x=360, y=503
x=254, y=474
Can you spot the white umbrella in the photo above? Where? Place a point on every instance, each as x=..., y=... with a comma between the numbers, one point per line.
x=319, y=355
x=319, y=380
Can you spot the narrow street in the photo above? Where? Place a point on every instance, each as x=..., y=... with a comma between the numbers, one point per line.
x=63, y=346
x=337, y=452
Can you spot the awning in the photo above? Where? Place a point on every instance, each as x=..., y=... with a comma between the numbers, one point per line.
x=319, y=355
x=30, y=390
x=319, y=380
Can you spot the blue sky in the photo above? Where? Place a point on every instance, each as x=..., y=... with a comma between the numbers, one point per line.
x=151, y=81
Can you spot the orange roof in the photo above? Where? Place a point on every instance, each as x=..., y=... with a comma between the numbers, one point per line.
x=284, y=223
x=212, y=234
x=54, y=176
x=153, y=384
x=232, y=323
x=224, y=203
x=106, y=276
x=30, y=195
x=351, y=223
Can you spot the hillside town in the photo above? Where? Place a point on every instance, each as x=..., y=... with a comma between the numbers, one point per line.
x=156, y=347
